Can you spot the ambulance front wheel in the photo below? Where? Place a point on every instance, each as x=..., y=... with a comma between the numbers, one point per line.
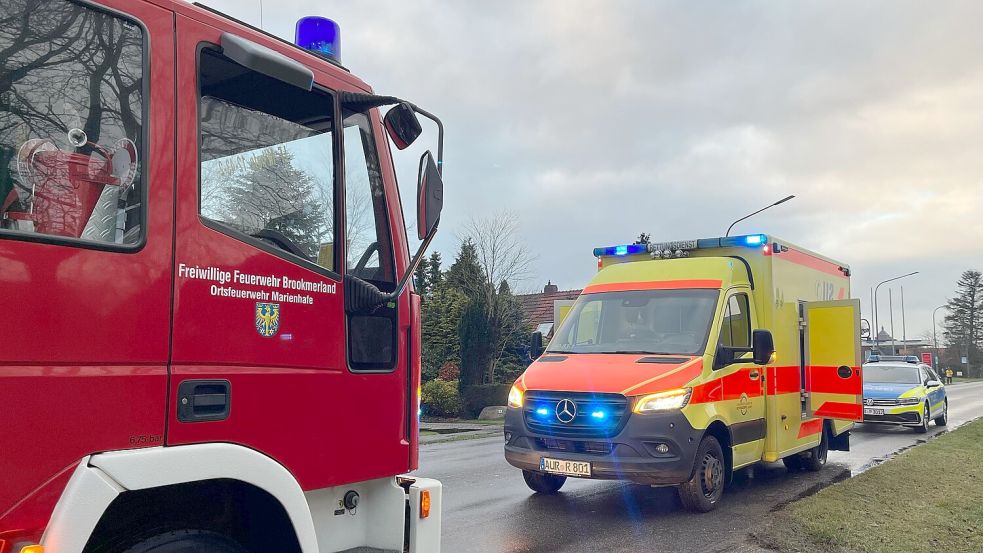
x=547, y=484
x=702, y=492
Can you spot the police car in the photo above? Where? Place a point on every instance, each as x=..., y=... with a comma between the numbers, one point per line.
x=902, y=391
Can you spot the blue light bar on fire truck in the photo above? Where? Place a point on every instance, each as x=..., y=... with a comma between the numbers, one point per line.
x=319, y=35
x=681, y=248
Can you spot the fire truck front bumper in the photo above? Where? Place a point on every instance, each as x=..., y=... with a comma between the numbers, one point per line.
x=652, y=449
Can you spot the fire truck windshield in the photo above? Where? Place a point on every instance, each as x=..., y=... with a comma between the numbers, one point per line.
x=645, y=321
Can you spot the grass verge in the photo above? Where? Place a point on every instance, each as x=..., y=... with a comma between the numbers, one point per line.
x=929, y=498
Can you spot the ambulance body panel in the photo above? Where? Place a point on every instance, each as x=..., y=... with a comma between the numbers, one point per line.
x=807, y=395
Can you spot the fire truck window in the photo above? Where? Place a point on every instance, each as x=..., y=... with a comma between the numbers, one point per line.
x=367, y=244
x=71, y=123
x=736, y=329
x=267, y=167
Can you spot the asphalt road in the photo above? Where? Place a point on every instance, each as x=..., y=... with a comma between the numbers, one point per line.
x=488, y=508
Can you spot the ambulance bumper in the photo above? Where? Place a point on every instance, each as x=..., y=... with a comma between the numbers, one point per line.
x=633, y=454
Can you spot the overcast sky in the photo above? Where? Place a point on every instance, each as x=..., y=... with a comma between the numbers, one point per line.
x=595, y=121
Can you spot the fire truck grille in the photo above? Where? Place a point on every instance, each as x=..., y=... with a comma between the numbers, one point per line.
x=574, y=414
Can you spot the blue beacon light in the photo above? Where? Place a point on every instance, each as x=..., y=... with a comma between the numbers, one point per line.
x=320, y=35
x=755, y=239
x=542, y=411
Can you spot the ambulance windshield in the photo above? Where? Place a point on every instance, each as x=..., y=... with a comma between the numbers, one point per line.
x=644, y=321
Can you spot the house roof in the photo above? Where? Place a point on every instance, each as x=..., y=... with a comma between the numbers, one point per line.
x=538, y=308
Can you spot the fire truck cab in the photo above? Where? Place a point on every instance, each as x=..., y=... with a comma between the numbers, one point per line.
x=682, y=362
x=211, y=341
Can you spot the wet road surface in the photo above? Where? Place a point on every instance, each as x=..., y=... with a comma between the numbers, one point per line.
x=488, y=508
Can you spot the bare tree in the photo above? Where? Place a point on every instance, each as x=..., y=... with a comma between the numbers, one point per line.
x=502, y=254
x=505, y=260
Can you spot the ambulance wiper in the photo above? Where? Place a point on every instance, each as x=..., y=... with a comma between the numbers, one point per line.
x=558, y=351
x=638, y=352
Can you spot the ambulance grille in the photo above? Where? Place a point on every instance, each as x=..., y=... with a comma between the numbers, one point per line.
x=597, y=415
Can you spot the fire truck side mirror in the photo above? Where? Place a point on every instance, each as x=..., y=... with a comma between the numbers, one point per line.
x=763, y=346
x=429, y=197
x=536, y=345
x=402, y=125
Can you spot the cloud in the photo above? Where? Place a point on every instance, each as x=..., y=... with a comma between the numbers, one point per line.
x=594, y=121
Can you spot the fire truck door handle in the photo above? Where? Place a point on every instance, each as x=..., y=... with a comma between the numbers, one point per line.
x=203, y=400
x=754, y=374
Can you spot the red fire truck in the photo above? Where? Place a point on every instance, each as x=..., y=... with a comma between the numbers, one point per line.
x=210, y=342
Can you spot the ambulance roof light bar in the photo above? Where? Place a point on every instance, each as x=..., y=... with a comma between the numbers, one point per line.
x=682, y=247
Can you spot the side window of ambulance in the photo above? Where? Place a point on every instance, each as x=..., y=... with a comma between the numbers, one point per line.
x=71, y=123
x=267, y=169
x=736, y=328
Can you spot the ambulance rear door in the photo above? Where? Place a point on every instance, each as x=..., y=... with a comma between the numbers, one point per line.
x=831, y=360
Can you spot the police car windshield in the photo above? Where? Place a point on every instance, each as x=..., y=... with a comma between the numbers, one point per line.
x=882, y=374
x=644, y=321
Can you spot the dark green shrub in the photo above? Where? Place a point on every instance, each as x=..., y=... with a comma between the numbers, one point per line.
x=441, y=398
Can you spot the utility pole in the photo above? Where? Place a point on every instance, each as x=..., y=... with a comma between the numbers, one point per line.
x=890, y=307
x=904, y=333
x=876, y=318
x=935, y=336
x=781, y=201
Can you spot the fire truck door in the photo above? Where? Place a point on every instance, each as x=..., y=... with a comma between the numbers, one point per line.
x=260, y=348
x=833, y=382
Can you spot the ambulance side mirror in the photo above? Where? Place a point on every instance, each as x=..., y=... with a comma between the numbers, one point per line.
x=763, y=346
x=536, y=345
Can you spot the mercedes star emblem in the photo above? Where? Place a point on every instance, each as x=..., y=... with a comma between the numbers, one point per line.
x=566, y=410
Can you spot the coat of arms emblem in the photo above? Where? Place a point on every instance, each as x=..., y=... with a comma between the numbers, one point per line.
x=267, y=318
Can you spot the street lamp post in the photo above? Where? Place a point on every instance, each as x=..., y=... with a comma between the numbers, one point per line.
x=781, y=201
x=935, y=337
x=877, y=319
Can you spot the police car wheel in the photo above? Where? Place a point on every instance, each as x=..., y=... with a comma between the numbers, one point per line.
x=187, y=541
x=543, y=483
x=944, y=419
x=702, y=492
x=923, y=428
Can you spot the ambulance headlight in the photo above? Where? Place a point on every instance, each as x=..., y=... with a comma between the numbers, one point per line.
x=515, y=397
x=663, y=401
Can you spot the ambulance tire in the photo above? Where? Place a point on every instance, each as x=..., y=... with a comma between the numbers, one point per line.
x=793, y=462
x=702, y=492
x=816, y=459
x=187, y=541
x=926, y=413
x=547, y=484
x=943, y=419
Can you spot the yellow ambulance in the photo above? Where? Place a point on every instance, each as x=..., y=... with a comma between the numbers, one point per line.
x=684, y=361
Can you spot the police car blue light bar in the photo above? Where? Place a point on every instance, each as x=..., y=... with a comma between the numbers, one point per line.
x=319, y=35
